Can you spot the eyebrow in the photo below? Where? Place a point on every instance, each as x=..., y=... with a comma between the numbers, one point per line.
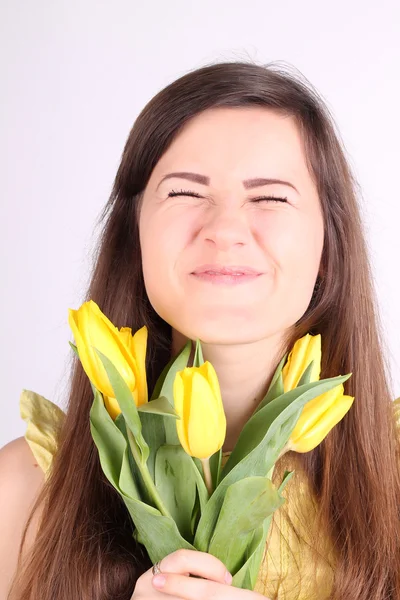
x=247, y=183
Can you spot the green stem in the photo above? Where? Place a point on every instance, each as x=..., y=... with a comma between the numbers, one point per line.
x=205, y=463
x=147, y=479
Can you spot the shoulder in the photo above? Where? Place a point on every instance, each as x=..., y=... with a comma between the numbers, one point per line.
x=21, y=480
x=18, y=464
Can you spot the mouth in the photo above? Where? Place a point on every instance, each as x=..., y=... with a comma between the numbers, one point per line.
x=221, y=270
x=226, y=278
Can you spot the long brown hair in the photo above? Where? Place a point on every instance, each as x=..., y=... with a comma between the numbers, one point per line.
x=84, y=547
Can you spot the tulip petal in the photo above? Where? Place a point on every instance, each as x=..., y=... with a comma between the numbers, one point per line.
x=316, y=434
x=210, y=375
x=138, y=346
x=315, y=354
x=208, y=372
x=112, y=407
x=179, y=405
x=98, y=335
x=294, y=366
x=119, y=340
x=203, y=431
x=304, y=350
x=212, y=378
x=315, y=409
x=126, y=335
x=91, y=365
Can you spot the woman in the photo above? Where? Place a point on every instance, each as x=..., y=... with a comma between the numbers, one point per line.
x=232, y=166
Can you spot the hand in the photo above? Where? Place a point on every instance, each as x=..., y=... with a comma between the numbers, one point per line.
x=176, y=583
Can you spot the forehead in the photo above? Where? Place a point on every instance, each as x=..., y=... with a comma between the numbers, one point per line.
x=238, y=142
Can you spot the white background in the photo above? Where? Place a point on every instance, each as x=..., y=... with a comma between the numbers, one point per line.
x=74, y=76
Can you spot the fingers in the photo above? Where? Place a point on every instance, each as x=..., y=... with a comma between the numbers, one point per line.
x=194, y=562
x=197, y=589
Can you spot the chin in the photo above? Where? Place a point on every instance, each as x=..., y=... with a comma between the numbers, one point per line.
x=228, y=333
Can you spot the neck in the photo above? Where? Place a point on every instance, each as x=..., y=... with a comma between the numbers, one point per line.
x=244, y=373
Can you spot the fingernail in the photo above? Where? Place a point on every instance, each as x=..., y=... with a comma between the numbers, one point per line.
x=228, y=577
x=158, y=580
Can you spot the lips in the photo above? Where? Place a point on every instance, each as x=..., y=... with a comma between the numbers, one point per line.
x=225, y=270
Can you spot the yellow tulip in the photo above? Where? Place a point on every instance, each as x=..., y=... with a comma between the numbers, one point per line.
x=92, y=329
x=317, y=419
x=197, y=398
x=305, y=350
x=320, y=414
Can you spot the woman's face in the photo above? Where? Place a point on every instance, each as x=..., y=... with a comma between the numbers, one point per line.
x=228, y=223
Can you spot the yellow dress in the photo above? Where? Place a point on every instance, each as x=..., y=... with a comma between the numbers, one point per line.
x=298, y=562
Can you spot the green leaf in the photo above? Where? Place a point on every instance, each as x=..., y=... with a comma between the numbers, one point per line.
x=196, y=465
x=198, y=355
x=74, y=348
x=261, y=445
x=246, y=505
x=143, y=493
x=215, y=467
x=176, y=482
x=305, y=378
x=259, y=423
x=158, y=533
x=276, y=386
x=111, y=445
x=195, y=515
x=166, y=379
x=177, y=364
x=154, y=433
x=127, y=483
x=159, y=406
x=287, y=476
x=246, y=577
x=126, y=403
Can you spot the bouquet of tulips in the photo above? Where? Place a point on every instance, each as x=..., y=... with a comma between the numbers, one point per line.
x=163, y=454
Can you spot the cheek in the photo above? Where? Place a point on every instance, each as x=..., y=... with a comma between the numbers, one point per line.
x=162, y=242
x=294, y=244
x=166, y=233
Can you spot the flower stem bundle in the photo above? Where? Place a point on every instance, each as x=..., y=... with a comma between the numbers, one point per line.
x=163, y=454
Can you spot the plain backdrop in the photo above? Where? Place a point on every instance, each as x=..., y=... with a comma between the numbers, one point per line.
x=74, y=76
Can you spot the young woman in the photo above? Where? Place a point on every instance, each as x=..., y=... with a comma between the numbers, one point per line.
x=233, y=168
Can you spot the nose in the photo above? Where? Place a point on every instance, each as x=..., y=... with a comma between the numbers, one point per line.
x=226, y=227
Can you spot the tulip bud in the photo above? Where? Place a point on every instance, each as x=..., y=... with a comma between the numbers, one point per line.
x=305, y=350
x=94, y=331
x=320, y=414
x=317, y=419
x=197, y=398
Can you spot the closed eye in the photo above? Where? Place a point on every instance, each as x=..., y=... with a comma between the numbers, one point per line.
x=183, y=193
x=173, y=193
x=270, y=198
